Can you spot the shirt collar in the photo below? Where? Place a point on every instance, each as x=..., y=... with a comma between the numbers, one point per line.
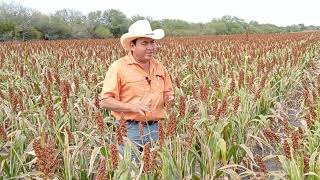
x=131, y=61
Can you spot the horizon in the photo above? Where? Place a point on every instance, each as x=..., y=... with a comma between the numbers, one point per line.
x=307, y=16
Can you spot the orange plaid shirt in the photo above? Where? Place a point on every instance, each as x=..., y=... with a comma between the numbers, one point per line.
x=128, y=82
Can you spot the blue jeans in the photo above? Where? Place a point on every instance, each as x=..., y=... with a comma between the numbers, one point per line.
x=150, y=135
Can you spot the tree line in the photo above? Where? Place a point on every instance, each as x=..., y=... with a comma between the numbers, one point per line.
x=21, y=23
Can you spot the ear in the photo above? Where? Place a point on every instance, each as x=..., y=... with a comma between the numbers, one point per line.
x=132, y=46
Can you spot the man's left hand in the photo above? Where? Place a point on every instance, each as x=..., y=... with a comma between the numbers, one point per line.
x=169, y=100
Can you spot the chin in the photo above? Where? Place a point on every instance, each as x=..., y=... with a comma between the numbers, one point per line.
x=149, y=57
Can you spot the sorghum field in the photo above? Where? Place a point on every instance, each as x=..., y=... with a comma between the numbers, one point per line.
x=246, y=107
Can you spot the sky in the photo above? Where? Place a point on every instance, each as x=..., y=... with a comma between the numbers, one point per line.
x=278, y=12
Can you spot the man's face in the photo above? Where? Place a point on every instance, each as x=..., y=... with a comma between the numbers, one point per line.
x=144, y=49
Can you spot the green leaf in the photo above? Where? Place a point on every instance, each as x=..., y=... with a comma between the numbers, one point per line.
x=103, y=151
x=223, y=151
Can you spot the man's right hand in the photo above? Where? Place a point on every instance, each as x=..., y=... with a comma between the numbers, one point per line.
x=139, y=108
x=118, y=106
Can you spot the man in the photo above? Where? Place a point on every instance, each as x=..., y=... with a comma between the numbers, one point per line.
x=137, y=86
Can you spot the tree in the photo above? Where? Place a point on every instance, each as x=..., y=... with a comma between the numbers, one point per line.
x=293, y=28
x=116, y=21
x=101, y=32
x=7, y=29
x=75, y=20
x=155, y=24
x=41, y=22
x=70, y=16
x=175, y=27
x=94, y=19
x=269, y=28
x=137, y=17
x=218, y=26
x=19, y=15
x=301, y=27
x=234, y=25
x=32, y=33
x=18, y=22
x=59, y=29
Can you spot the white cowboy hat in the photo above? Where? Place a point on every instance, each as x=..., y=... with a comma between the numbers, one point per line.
x=141, y=28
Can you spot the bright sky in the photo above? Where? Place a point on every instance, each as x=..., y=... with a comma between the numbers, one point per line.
x=278, y=12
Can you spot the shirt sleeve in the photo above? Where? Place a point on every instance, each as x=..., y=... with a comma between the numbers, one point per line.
x=168, y=89
x=111, y=83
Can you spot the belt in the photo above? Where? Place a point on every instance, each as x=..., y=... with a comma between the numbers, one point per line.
x=146, y=122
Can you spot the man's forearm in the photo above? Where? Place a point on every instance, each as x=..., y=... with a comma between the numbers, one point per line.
x=115, y=105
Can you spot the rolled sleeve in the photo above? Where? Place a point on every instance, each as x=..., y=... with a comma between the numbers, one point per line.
x=111, y=83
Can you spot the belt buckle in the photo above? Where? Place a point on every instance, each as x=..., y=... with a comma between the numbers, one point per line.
x=150, y=122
